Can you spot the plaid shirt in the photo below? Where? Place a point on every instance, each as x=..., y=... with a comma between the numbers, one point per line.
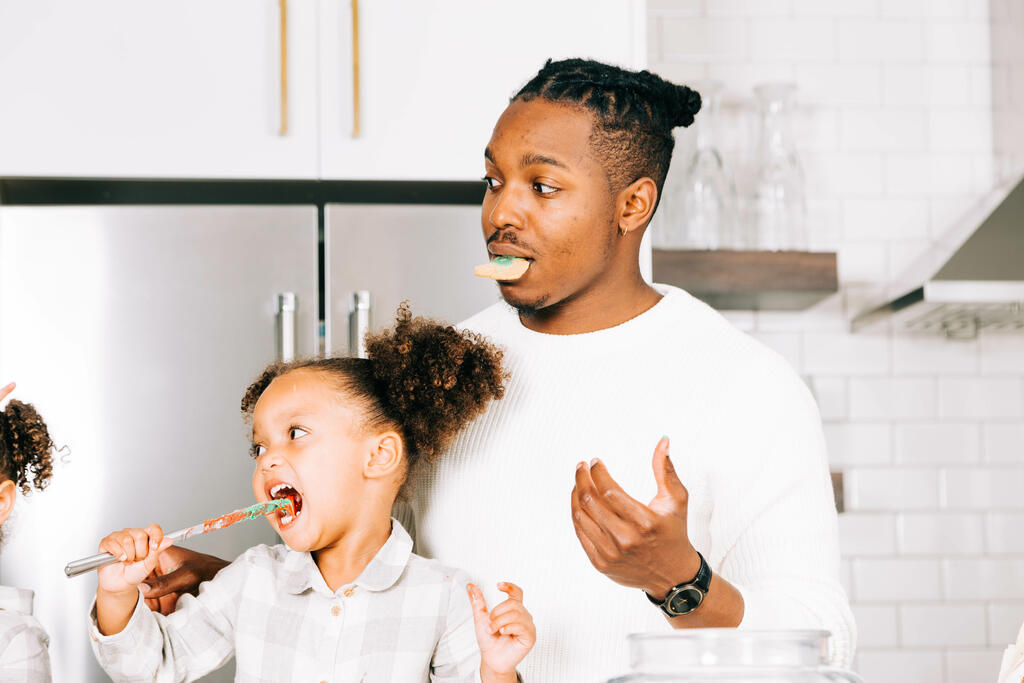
x=24, y=657
x=405, y=619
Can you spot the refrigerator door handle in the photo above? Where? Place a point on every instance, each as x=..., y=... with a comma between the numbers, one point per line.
x=358, y=323
x=287, y=304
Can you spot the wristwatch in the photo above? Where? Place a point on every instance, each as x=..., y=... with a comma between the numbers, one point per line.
x=687, y=596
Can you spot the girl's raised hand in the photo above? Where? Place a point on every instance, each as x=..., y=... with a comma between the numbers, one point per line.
x=6, y=389
x=505, y=635
x=139, y=550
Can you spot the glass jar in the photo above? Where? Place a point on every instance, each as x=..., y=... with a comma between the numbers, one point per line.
x=726, y=655
x=778, y=204
x=708, y=198
x=699, y=208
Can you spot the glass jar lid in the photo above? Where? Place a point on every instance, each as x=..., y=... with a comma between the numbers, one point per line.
x=710, y=648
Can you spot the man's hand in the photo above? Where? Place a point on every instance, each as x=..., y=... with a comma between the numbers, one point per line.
x=636, y=545
x=179, y=571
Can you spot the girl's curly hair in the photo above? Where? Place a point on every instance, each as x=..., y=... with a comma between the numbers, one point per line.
x=25, y=447
x=423, y=379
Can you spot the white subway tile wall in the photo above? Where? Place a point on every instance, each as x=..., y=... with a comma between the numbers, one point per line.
x=909, y=111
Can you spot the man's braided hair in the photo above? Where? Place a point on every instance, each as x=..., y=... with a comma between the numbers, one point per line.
x=634, y=114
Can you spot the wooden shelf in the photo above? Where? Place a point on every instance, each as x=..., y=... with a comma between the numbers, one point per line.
x=750, y=280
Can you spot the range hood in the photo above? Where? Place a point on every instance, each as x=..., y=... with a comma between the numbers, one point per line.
x=971, y=280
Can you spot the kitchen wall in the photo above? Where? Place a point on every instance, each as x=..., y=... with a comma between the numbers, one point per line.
x=910, y=110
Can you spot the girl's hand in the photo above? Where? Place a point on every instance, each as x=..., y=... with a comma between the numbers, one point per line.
x=139, y=551
x=505, y=635
x=6, y=389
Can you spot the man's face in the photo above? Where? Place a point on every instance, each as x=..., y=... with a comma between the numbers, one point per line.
x=548, y=200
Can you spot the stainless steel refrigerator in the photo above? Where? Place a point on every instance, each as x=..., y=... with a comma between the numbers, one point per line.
x=135, y=331
x=380, y=255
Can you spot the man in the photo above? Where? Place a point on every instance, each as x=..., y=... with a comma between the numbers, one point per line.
x=740, y=529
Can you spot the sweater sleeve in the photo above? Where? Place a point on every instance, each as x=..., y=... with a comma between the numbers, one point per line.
x=774, y=528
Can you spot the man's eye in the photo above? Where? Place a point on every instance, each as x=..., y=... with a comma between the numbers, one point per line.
x=491, y=182
x=544, y=189
x=296, y=433
x=256, y=450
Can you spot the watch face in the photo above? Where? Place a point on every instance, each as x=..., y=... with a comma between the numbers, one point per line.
x=685, y=600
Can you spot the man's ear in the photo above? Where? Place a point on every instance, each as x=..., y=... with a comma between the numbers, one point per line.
x=8, y=495
x=635, y=205
x=387, y=456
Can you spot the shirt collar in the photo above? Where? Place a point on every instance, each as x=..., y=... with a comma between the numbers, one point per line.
x=383, y=571
x=17, y=600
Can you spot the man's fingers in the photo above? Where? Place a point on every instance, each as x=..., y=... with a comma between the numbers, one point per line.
x=6, y=389
x=611, y=533
x=614, y=498
x=588, y=546
x=587, y=497
x=669, y=485
x=596, y=543
x=178, y=581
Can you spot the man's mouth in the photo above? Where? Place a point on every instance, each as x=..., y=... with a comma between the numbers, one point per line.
x=503, y=268
x=284, y=517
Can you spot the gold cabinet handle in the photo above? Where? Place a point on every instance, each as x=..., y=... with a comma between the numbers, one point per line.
x=283, y=5
x=355, y=68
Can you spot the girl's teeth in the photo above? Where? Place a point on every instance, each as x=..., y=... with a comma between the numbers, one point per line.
x=287, y=519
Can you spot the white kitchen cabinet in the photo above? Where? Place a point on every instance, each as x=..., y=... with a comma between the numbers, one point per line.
x=434, y=75
x=156, y=88
x=191, y=88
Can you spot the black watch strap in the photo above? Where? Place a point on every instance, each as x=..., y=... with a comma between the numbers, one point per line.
x=687, y=596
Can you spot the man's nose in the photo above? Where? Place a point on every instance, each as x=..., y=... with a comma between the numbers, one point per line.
x=507, y=211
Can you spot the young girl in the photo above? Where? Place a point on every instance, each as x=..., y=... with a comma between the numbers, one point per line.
x=25, y=464
x=344, y=599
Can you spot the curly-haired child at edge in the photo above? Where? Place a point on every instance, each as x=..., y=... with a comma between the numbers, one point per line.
x=345, y=599
x=26, y=465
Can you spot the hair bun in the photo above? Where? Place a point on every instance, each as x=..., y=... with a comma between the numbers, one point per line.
x=25, y=447
x=687, y=103
x=433, y=378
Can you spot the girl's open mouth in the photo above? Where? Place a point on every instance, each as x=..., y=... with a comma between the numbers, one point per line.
x=284, y=517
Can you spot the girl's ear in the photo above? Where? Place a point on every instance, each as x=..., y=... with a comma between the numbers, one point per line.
x=386, y=456
x=8, y=494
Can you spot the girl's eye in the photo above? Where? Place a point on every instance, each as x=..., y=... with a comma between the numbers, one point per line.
x=544, y=189
x=256, y=450
x=297, y=433
x=491, y=182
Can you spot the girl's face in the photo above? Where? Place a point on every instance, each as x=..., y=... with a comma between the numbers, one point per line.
x=307, y=446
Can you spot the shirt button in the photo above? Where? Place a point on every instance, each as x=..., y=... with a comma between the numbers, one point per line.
x=336, y=610
x=349, y=591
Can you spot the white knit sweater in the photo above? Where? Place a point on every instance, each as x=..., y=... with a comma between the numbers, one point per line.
x=746, y=440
